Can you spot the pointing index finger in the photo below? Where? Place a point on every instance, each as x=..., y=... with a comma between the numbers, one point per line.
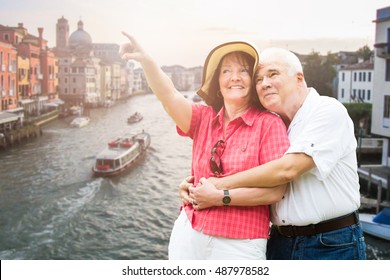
x=127, y=35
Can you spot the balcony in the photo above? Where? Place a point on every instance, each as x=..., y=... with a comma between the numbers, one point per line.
x=383, y=50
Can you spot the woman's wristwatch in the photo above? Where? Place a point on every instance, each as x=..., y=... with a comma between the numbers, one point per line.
x=226, y=198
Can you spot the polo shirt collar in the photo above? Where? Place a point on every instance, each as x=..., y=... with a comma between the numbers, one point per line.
x=248, y=117
x=307, y=105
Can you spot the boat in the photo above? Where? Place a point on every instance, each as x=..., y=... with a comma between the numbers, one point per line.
x=76, y=110
x=121, y=154
x=377, y=225
x=136, y=117
x=80, y=122
x=196, y=98
x=108, y=103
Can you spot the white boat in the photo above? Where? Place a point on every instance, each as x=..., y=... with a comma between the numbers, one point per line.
x=121, y=154
x=377, y=225
x=76, y=110
x=80, y=122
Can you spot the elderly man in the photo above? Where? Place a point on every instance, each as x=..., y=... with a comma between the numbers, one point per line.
x=317, y=218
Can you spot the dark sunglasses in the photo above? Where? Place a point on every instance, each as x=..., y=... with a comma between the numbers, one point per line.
x=215, y=160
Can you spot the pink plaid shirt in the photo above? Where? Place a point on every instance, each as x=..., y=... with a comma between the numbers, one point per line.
x=252, y=139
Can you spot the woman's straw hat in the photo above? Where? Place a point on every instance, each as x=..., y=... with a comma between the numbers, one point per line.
x=210, y=87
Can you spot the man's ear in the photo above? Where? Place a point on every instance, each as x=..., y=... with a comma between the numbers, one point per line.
x=300, y=77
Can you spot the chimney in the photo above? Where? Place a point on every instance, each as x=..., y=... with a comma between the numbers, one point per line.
x=40, y=42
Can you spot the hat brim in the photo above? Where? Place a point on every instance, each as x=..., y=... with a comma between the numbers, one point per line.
x=208, y=90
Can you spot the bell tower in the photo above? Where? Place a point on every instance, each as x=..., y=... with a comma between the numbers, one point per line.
x=62, y=33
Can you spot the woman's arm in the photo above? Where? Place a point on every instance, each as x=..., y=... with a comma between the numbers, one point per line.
x=176, y=105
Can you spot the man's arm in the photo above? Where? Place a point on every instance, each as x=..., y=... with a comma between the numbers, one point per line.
x=270, y=174
x=205, y=195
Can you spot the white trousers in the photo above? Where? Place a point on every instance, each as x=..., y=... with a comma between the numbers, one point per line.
x=188, y=244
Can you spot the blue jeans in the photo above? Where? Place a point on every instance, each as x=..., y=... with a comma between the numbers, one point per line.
x=341, y=244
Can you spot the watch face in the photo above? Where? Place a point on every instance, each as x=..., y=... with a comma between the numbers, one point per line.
x=226, y=200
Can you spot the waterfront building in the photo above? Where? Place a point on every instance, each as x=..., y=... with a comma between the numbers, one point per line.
x=23, y=77
x=355, y=82
x=111, y=74
x=381, y=98
x=127, y=80
x=139, y=82
x=36, y=84
x=78, y=69
x=183, y=78
x=89, y=73
x=8, y=60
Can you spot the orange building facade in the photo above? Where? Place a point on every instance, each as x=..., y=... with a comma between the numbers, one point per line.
x=34, y=72
x=8, y=62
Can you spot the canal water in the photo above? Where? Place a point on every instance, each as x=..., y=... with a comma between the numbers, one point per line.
x=52, y=207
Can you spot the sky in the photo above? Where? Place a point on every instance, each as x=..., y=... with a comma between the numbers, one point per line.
x=182, y=32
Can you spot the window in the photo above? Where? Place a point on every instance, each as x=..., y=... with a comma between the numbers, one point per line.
x=360, y=76
x=387, y=77
x=342, y=93
x=343, y=77
x=369, y=76
x=368, y=95
x=364, y=76
x=354, y=76
x=386, y=108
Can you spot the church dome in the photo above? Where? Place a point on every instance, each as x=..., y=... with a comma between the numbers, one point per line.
x=80, y=37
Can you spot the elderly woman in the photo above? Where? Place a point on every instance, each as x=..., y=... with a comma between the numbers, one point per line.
x=229, y=135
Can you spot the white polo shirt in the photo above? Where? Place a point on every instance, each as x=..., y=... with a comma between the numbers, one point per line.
x=323, y=130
